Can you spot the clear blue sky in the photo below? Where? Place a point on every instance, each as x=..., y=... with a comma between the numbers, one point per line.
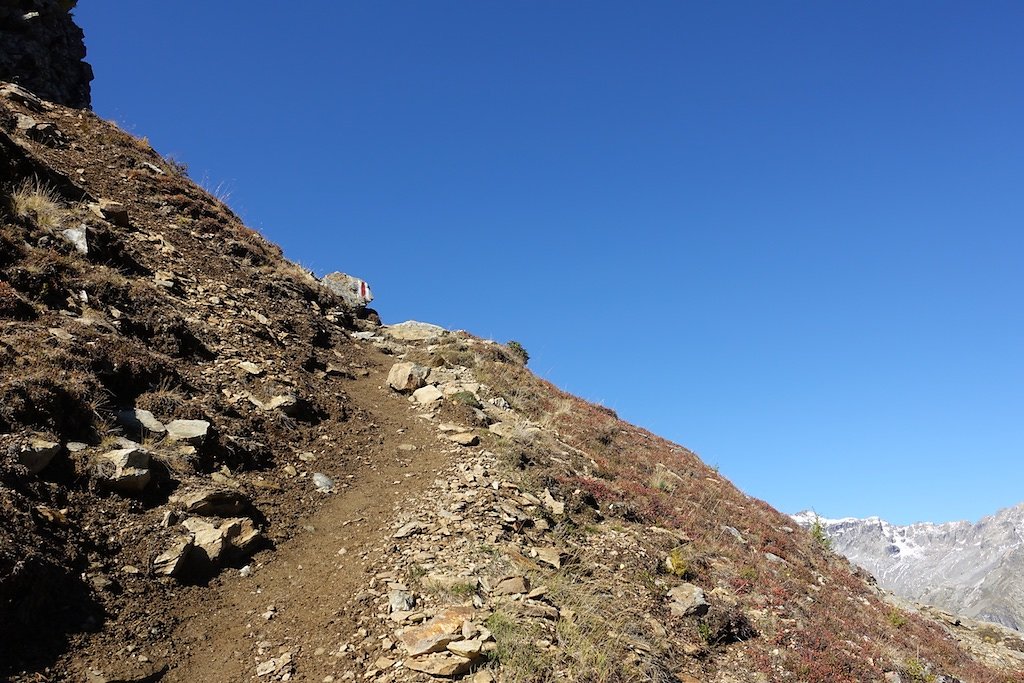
x=787, y=235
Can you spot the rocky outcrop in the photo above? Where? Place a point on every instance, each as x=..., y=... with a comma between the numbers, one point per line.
x=43, y=50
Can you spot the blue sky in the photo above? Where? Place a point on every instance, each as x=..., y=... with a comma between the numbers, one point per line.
x=784, y=234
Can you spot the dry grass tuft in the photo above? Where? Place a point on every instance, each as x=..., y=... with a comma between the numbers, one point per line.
x=37, y=202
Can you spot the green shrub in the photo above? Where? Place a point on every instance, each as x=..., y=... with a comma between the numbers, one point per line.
x=517, y=350
x=819, y=534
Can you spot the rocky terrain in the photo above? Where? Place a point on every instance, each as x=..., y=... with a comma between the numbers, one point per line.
x=216, y=467
x=41, y=49
x=970, y=569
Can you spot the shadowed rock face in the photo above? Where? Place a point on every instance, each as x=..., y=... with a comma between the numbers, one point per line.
x=42, y=50
x=969, y=569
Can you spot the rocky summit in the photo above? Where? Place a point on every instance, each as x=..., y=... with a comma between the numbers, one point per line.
x=216, y=467
x=42, y=50
x=972, y=570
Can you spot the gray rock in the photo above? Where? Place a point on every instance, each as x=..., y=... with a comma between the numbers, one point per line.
x=401, y=601
x=140, y=421
x=192, y=432
x=125, y=470
x=354, y=292
x=687, y=600
x=323, y=483
x=406, y=377
x=37, y=454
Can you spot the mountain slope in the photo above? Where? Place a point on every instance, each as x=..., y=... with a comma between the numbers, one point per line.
x=969, y=569
x=212, y=471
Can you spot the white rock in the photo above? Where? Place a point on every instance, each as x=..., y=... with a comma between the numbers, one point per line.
x=77, y=238
x=427, y=394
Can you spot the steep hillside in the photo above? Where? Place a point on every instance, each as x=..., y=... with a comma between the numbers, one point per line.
x=212, y=470
x=969, y=569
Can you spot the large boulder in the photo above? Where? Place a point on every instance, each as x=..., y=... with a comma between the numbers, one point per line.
x=355, y=293
x=407, y=377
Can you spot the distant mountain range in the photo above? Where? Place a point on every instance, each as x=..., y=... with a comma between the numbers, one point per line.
x=971, y=569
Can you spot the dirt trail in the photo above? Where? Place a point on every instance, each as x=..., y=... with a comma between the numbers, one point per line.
x=299, y=602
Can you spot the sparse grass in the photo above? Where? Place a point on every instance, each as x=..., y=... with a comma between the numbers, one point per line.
x=897, y=618
x=37, y=202
x=917, y=671
x=594, y=639
x=453, y=592
x=663, y=480
x=466, y=398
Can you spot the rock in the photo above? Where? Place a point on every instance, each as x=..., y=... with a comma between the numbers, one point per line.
x=140, y=421
x=407, y=377
x=209, y=502
x=401, y=601
x=77, y=238
x=511, y=585
x=37, y=454
x=192, y=432
x=427, y=394
x=288, y=404
x=173, y=561
x=125, y=470
x=435, y=635
x=412, y=330
x=551, y=556
x=355, y=293
x=280, y=667
x=687, y=600
x=502, y=429
x=212, y=542
x=43, y=50
x=465, y=438
x=250, y=367
x=892, y=677
x=111, y=211
x=408, y=530
x=552, y=504
x=440, y=664
x=470, y=649
x=323, y=483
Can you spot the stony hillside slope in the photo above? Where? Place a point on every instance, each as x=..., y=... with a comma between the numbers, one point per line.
x=212, y=470
x=970, y=569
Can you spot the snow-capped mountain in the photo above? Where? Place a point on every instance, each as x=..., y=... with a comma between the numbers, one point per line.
x=976, y=570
